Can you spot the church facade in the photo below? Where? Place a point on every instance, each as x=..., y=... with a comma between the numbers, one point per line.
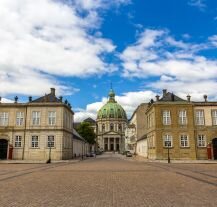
x=111, y=123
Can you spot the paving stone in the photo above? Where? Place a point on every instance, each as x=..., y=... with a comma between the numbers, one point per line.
x=108, y=181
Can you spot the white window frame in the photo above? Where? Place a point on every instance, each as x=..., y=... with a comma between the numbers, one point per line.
x=200, y=117
x=34, y=141
x=214, y=117
x=4, y=117
x=18, y=141
x=19, y=118
x=52, y=141
x=166, y=117
x=201, y=140
x=167, y=138
x=183, y=117
x=52, y=118
x=36, y=117
x=184, y=140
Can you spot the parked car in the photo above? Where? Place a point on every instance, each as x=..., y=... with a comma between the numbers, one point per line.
x=92, y=154
x=88, y=155
x=125, y=152
x=129, y=154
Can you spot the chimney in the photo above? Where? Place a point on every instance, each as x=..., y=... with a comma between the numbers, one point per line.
x=30, y=98
x=164, y=92
x=173, y=97
x=188, y=98
x=157, y=97
x=52, y=91
x=15, y=99
x=205, y=98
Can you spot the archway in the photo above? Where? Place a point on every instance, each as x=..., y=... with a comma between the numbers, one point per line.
x=214, y=145
x=3, y=149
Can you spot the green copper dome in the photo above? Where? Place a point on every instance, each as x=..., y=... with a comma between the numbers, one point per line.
x=112, y=109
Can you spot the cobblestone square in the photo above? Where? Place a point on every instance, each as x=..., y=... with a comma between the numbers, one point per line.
x=108, y=180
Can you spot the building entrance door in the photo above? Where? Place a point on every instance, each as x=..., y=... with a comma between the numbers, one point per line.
x=106, y=147
x=112, y=147
x=3, y=149
x=214, y=145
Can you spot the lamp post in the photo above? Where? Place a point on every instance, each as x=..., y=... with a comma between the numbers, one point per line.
x=49, y=145
x=168, y=151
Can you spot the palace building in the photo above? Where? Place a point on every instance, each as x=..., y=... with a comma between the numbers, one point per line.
x=38, y=130
x=111, y=123
x=187, y=128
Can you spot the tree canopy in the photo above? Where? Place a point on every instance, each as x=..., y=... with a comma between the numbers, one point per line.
x=87, y=132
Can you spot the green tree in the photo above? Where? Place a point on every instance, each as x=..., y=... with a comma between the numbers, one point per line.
x=87, y=132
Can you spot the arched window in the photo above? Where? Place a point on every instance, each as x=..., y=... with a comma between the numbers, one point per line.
x=103, y=127
x=111, y=127
x=119, y=113
x=119, y=127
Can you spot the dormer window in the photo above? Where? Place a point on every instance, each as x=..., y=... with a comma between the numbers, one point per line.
x=112, y=113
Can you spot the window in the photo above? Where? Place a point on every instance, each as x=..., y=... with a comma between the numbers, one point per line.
x=166, y=117
x=112, y=113
x=36, y=117
x=3, y=119
x=167, y=140
x=19, y=118
x=18, y=140
x=52, y=117
x=119, y=127
x=50, y=141
x=214, y=117
x=184, y=141
x=200, y=117
x=183, y=117
x=201, y=140
x=111, y=127
x=119, y=113
x=34, y=142
x=103, y=127
x=104, y=113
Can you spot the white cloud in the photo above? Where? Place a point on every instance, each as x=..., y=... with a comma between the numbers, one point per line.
x=5, y=100
x=129, y=101
x=174, y=64
x=200, y=4
x=213, y=40
x=96, y=4
x=46, y=39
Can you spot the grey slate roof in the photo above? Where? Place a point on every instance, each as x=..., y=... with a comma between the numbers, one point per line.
x=48, y=98
x=171, y=97
x=90, y=120
x=78, y=136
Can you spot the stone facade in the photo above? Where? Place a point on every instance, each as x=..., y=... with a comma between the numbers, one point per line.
x=187, y=128
x=142, y=147
x=37, y=130
x=137, y=127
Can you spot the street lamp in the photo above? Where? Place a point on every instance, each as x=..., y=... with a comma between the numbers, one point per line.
x=49, y=145
x=168, y=151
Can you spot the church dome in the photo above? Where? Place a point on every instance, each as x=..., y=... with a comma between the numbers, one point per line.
x=111, y=109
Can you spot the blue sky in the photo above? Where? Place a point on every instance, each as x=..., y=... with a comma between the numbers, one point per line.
x=81, y=46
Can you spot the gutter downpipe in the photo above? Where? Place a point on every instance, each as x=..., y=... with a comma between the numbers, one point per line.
x=24, y=138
